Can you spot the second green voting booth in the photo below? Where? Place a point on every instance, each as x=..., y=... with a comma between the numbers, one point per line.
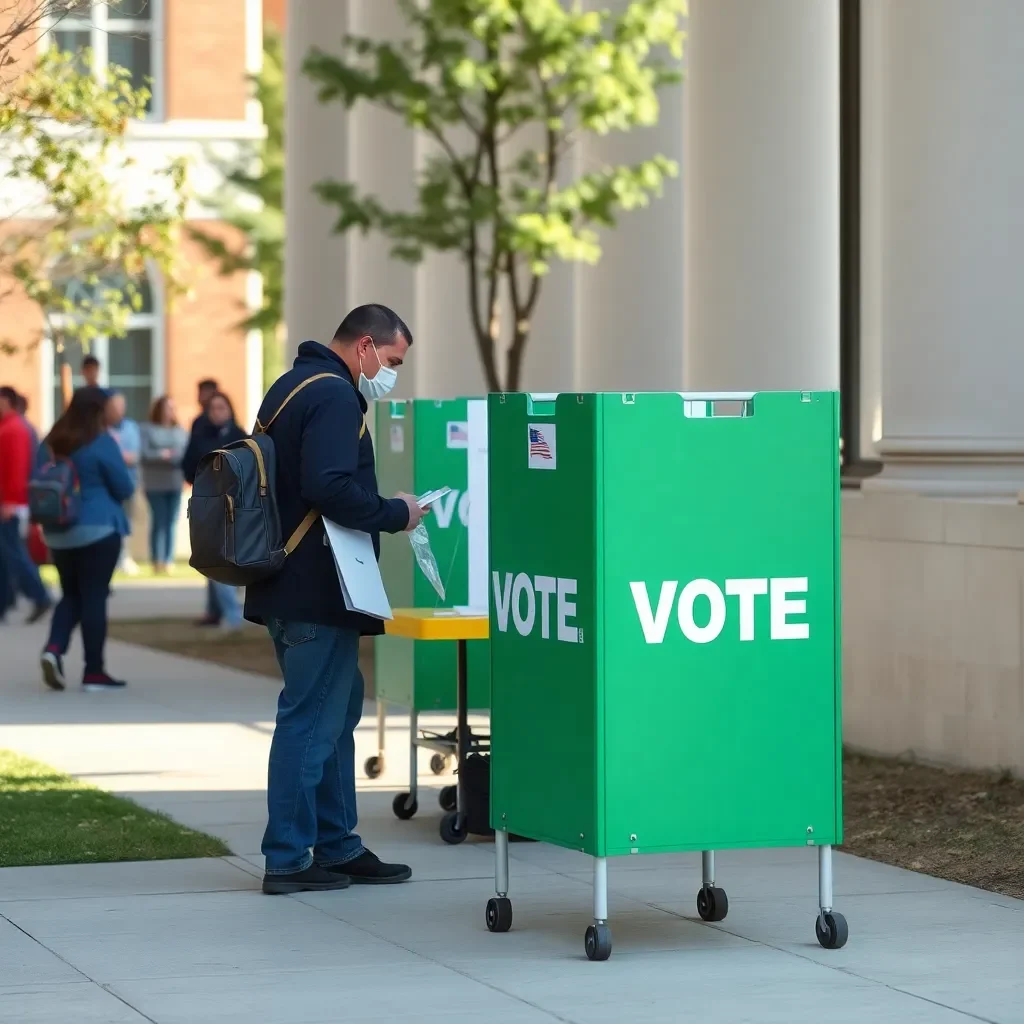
x=664, y=623
x=420, y=445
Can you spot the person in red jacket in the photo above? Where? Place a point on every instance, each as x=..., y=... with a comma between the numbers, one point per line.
x=16, y=459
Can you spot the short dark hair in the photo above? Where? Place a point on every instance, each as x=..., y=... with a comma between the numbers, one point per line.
x=90, y=361
x=9, y=394
x=208, y=384
x=21, y=405
x=375, y=321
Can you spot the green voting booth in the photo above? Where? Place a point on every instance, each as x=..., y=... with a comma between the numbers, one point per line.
x=421, y=445
x=665, y=624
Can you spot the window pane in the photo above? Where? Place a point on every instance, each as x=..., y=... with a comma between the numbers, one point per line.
x=137, y=402
x=133, y=10
x=131, y=358
x=133, y=52
x=74, y=41
x=146, y=294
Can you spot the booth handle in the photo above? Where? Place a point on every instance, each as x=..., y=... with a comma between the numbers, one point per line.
x=541, y=403
x=717, y=404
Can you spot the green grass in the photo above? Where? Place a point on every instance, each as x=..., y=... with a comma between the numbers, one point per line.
x=47, y=817
x=182, y=574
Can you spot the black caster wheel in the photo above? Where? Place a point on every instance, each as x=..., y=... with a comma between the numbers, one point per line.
x=450, y=831
x=712, y=903
x=374, y=767
x=499, y=914
x=832, y=932
x=439, y=763
x=404, y=807
x=598, y=942
x=448, y=798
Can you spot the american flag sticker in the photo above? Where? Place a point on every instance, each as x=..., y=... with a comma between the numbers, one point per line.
x=457, y=434
x=541, y=445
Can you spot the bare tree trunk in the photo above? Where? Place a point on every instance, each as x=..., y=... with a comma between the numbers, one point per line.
x=66, y=388
x=514, y=358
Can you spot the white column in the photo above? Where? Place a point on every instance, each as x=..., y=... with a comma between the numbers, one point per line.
x=761, y=186
x=952, y=304
x=316, y=147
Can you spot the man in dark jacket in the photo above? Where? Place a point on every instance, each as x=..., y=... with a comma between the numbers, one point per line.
x=324, y=462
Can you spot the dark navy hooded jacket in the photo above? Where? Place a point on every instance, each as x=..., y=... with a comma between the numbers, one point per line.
x=322, y=463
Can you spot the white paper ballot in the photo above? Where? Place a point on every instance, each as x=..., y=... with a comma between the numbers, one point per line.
x=358, y=572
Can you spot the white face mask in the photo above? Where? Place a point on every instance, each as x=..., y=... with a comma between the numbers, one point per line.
x=380, y=384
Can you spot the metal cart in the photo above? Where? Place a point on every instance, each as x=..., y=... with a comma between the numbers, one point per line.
x=444, y=624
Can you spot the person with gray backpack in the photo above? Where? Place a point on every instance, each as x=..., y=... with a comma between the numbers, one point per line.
x=255, y=520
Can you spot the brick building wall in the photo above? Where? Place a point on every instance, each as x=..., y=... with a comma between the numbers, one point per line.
x=275, y=12
x=206, y=59
x=202, y=334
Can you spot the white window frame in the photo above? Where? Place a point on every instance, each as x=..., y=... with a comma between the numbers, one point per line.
x=152, y=321
x=100, y=23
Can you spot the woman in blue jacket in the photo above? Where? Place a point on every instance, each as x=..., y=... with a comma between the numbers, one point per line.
x=86, y=553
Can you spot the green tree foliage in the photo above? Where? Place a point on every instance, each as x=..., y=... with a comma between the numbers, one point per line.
x=252, y=200
x=76, y=210
x=503, y=88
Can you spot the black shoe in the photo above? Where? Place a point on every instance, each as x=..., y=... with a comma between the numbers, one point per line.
x=52, y=665
x=38, y=612
x=369, y=869
x=313, y=879
x=100, y=682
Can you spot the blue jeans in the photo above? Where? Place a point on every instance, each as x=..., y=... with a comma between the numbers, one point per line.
x=223, y=605
x=163, y=518
x=22, y=572
x=311, y=787
x=85, y=586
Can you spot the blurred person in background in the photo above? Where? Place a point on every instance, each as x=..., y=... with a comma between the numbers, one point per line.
x=205, y=390
x=201, y=427
x=128, y=435
x=18, y=573
x=21, y=407
x=91, y=371
x=86, y=553
x=163, y=448
x=222, y=605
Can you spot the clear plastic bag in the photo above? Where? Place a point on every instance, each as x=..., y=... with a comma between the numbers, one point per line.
x=420, y=541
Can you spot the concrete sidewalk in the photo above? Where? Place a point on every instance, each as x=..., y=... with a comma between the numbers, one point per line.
x=195, y=941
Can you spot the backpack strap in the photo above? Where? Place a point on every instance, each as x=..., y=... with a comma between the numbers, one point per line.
x=262, y=429
x=312, y=515
x=301, y=530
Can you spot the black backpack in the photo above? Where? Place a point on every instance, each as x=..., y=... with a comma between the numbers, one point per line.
x=234, y=523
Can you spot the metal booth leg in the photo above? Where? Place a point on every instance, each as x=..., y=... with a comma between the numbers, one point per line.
x=712, y=902
x=382, y=725
x=499, y=909
x=413, y=755
x=598, y=940
x=405, y=805
x=376, y=765
x=830, y=927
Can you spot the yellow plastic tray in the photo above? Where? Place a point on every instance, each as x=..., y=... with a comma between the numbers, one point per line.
x=436, y=624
